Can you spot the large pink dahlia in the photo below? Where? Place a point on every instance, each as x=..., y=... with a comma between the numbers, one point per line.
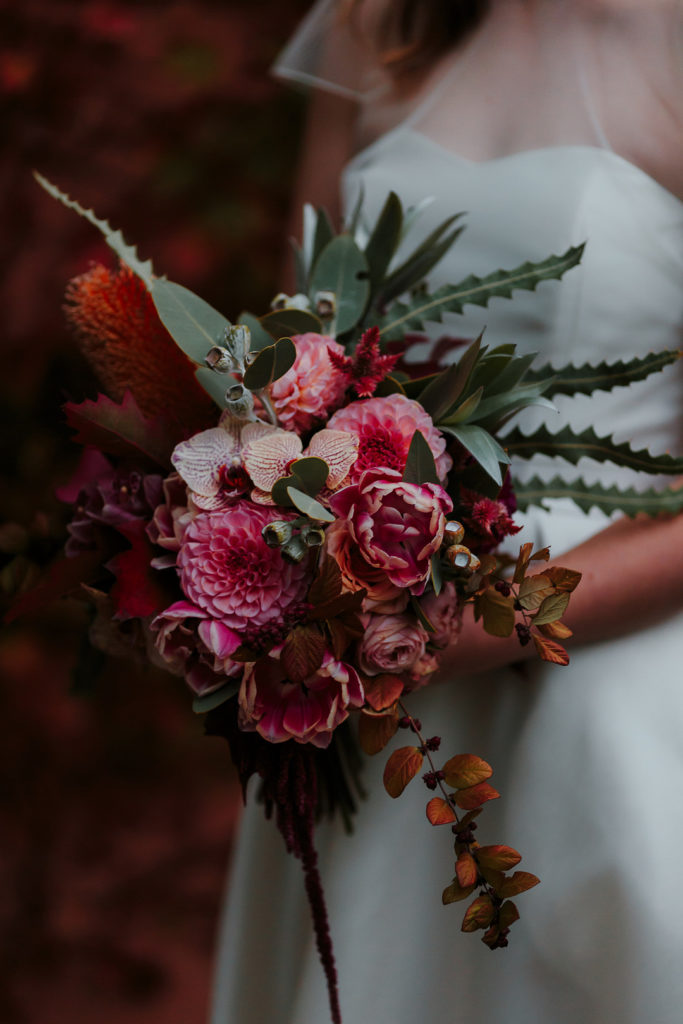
x=307, y=712
x=384, y=428
x=227, y=569
x=312, y=387
x=397, y=526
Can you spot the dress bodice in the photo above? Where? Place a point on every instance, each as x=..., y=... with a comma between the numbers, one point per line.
x=623, y=300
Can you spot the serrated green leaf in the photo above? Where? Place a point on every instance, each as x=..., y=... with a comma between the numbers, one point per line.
x=260, y=337
x=209, y=701
x=284, y=323
x=607, y=499
x=384, y=239
x=567, y=445
x=343, y=269
x=473, y=290
x=417, y=265
x=585, y=379
x=270, y=364
x=444, y=390
x=194, y=325
x=484, y=448
x=309, y=506
x=114, y=239
x=420, y=467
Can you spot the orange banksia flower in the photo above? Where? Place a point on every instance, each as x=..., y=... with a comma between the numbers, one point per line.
x=128, y=347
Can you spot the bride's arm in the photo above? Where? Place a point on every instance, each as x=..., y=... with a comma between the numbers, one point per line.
x=632, y=578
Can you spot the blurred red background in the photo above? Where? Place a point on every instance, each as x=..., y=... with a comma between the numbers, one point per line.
x=116, y=814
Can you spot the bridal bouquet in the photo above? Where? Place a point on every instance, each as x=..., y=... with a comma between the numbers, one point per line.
x=278, y=511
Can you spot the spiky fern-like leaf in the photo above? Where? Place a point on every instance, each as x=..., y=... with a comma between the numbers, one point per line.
x=607, y=499
x=478, y=291
x=128, y=254
x=585, y=379
x=568, y=445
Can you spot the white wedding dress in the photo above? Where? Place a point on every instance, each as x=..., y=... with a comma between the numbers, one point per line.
x=589, y=758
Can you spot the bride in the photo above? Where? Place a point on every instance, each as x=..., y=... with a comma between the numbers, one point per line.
x=550, y=122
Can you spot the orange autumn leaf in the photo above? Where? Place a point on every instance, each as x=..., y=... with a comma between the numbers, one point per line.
x=500, y=858
x=465, y=770
x=475, y=796
x=552, y=608
x=439, y=812
x=123, y=339
x=402, y=766
x=564, y=580
x=454, y=892
x=533, y=591
x=466, y=870
x=382, y=691
x=508, y=914
x=555, y=630
x=550, y=650
x=375, y=731
x=519, y=882
x=479, y=914
x=497, y=612
x=522, y=562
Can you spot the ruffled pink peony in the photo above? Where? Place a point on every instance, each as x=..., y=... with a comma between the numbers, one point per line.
x=444, y=614
x=308, y=712
x=391, y=643
x=397, y=526
x=227, y=569
x=192, y=645
x=382, y=595
x=312, y=388
x=385, y=428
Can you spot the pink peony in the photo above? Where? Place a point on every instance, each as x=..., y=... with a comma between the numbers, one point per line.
x=312, y=388
x=308, y=712
x=192, y=645
x=397, y=526
x=382, y=595
x=385, y=428
x=444, y=614
x=391, y=643
x=227, y=569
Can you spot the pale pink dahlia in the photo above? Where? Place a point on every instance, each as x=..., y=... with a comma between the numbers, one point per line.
x=312, y=388
x=391, y=643
x=385, y=428
x=307, y=712
x=227, y=569
x=397, y=526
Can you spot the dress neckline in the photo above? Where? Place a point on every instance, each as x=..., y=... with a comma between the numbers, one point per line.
x=404, y=128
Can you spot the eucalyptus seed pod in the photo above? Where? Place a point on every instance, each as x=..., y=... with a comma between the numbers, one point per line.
x=219, y=359
x=325, y=305
x=239, y=402
x=453, y=533
x=458, y=556
x=295, y=550
x=277, y=533
x=312, y=536
x=284, y=301
x=237, y=340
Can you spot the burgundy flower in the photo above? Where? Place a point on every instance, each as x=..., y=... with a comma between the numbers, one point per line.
x=367, y=367
x=115, y=500
x=196, y=647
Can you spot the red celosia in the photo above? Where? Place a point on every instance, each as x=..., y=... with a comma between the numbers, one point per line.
x=488, y=520
x=128, y=347
x=367, y=367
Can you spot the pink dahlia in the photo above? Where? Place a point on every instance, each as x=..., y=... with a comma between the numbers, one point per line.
x=397, y=526
x=192, y=645
x=391, y=643
x=227, y=569
x=307, y=712
x=385, y=428
x=312, y=388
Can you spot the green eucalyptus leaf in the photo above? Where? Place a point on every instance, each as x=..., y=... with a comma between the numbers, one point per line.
x=571, y=446
x=194, y=325
x=422, y=307
x=384, y=239
x=309, y=506
x=270, y=364
x=283, y=323
x=312, y=473
x=323, y=235
x=484, y=448
x=607, y=499
x=343, y=269
x=260, y=338
x=420, y=467
x=215, y=384
x=585, y=379
x=209, y=701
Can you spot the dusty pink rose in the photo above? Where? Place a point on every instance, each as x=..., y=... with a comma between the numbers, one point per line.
x=444, y=614
x=312, y=388
x=280, y=710
x=170, y=521
x=192, y=645
x=382, y=595
x=227, y=569
x=385, y=428
x=397, y=526
x=391, y=643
